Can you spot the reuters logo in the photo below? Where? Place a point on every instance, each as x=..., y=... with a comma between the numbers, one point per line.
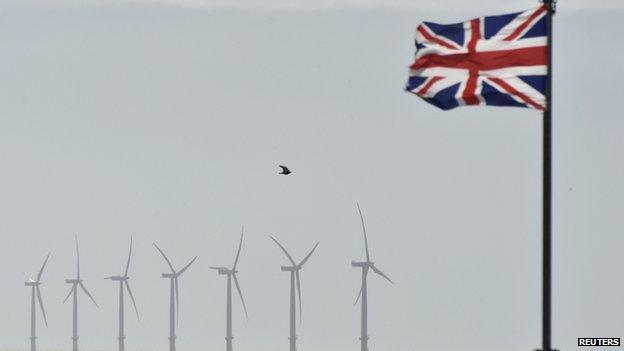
x=598, y=341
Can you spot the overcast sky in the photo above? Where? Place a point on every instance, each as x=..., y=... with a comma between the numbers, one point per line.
x=306, y=5
x=166, y=120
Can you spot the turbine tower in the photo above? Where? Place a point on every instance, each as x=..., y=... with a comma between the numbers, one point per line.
x=231, y=275
x=365, y=265
x=123, y=281
x=34, y=290
x=74, y=291
x=174, y=296
x=294, y=278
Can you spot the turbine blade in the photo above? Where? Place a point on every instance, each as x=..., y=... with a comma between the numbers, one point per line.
x=240, y=244
x=77, y=258
x=45, y=318
x=364, y=230
x=88, y=293
x=42, y=267
x=70, y=292
x=241, y=296
x=359, y=295
x=376, y=270
x=299, y=293
x=186, y=267
x=165, y=257
x=132, y=298
x=308, y=256
x=286, y=252
x=177, y=296
x=129, y=255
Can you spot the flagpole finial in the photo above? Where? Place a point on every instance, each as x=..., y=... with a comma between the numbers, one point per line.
x=550, y=4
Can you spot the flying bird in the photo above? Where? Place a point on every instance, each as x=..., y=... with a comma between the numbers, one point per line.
x=285, y=170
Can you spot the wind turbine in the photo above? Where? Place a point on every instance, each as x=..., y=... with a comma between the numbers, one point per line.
x=174, y=296
x=74, y=291
x=294, y=277
x=365, y=265
x=34, y=285
x=231, y=274
x=123, y=280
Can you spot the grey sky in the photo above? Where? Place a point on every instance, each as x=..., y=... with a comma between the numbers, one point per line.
x=307, y=5
x=167, y=122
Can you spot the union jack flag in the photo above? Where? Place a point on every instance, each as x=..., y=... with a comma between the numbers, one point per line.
x=492, y=60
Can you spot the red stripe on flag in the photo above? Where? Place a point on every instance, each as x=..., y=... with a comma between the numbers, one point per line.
x=431, y=38
x=487, y=60
x=515, y=92
x=475, y=35
x=428, y=85
x=468, y=94
x=526, y=23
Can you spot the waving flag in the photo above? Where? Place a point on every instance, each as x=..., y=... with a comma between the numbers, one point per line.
x=492, y=60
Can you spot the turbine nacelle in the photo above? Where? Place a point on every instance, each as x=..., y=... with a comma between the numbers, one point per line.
x=34, y=284
x=294, y=279
x=231, y=275
x=366, y=265
x=123, y=280
x=77, y=283
x=175, y=296
x=224, y=270
x=117, y=278
x=290, y=268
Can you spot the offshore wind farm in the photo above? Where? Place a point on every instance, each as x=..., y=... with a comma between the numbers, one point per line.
x=293, y=268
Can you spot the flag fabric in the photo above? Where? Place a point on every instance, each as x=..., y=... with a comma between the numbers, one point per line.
x=492, y=60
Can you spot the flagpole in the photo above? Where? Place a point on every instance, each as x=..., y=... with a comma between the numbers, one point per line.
x=547, y=191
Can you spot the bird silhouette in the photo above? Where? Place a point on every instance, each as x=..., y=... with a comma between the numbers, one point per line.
x=285, y=170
